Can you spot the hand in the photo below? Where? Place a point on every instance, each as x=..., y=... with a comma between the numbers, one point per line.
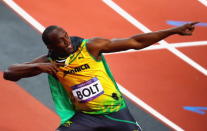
x=186, y=29
x=50, y=68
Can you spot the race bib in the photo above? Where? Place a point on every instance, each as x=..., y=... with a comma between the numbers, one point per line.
x=88, y=90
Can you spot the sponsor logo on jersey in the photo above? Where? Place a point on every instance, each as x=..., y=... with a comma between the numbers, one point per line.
x=77, y=69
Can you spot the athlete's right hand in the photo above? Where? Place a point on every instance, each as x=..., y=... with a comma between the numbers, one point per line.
x=50, y=68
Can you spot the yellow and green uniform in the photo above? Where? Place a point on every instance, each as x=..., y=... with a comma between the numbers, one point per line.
x=87, y=84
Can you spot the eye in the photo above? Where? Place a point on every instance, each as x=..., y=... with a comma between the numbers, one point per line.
x=66, y=35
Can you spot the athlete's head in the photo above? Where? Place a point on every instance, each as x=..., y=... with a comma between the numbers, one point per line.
x=57, y=40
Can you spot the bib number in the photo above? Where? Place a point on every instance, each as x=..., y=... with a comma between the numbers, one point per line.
x=88, y=90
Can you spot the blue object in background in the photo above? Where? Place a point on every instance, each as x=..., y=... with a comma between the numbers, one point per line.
x=199, y=110
x=179, y=23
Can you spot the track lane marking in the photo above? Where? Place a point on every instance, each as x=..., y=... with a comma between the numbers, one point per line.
x=143, y=28
x=25, y=15
x=39, y=27
x=204, y=2
x=149, y=108
x=159, y=47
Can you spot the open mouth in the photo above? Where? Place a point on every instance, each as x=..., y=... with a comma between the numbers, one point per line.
x=69, y=47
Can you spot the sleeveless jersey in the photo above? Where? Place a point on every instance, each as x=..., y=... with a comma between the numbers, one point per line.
x=89, y=83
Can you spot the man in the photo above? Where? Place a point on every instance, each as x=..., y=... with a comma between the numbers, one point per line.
x=83, y=89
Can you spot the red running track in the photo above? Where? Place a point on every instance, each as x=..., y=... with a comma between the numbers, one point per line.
x=22, y=112
x=158, y=77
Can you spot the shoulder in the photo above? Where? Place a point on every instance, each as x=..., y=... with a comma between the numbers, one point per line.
x=97, y=43
x=98, y=40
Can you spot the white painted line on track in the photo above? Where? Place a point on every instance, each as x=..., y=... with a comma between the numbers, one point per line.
x=148, y=108
x=143, y=28
x=204, y=2
x=25, y=15
x=41, y=28
x=159, y=47
x=189, y=44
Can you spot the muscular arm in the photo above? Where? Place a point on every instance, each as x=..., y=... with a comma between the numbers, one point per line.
x=100, y=45
x=29, y=69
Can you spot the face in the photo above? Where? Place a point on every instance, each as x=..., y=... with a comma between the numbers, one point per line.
x=61, y=42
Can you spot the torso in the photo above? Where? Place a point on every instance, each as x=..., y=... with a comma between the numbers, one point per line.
x=89, y=83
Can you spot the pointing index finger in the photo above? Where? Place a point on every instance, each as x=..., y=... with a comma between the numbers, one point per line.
x=194, y=23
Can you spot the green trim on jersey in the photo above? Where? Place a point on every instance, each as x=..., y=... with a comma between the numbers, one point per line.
x=115, y=119
x=63, y=104
x=72, y=57
x=112, y=78
x=119, y=102
x=109, y=71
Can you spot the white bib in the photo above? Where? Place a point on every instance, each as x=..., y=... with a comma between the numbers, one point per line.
x=88, y=90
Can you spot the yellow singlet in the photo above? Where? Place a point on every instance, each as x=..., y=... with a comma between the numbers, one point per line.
x=89, y=83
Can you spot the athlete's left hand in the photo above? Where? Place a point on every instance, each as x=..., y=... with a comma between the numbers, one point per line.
x=186, y=29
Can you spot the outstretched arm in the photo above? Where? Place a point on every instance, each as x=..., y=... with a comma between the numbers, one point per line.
x=100, y=45
x=29, y=69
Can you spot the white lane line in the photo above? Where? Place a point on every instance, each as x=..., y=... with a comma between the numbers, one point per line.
x=128, y=94
x=204, y=2
x=143, y=28
x=189, y=44
x=39, y=27
x=148, y=108
x=159, y=47
x=25, y=15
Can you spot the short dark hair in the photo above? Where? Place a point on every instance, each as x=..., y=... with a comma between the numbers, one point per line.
x=45, y=35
